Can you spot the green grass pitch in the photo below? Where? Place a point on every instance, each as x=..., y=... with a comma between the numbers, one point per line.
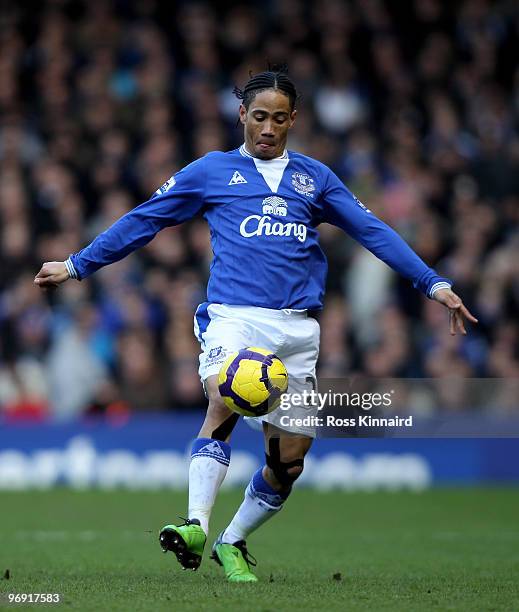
x=446, y=549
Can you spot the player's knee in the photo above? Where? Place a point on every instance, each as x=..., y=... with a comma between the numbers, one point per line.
x=293, y=473
x=285, y=473
x=219, y=421
x=216, y=405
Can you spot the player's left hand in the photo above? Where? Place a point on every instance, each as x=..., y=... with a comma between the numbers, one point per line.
x=458, y=312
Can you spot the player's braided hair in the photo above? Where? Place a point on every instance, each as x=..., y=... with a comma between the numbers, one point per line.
x=275, y=77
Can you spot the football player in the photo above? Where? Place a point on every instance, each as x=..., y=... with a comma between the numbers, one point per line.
x=263, y=204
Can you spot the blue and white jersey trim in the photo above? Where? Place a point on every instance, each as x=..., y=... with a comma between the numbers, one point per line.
x=70, y=268
x=439, y=285
x=201, y=320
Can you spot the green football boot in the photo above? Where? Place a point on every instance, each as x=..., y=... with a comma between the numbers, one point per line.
x=187, y=541
x=235, y=560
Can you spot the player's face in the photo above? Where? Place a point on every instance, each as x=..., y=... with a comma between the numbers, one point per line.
x=266, y=123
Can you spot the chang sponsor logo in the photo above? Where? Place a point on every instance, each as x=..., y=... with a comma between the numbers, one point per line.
x=274, y=205
x=254, y=225
x=265, y=225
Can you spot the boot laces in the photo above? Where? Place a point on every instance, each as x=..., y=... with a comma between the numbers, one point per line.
x=242, y=547
x=189, y=522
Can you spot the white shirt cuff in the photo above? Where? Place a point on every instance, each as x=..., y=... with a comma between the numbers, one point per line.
x=70, y=268
x=436, y=286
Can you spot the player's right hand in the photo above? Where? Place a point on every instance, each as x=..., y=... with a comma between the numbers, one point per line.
x=51, y=274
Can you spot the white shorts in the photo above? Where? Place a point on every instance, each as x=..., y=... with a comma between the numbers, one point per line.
x=291, y=334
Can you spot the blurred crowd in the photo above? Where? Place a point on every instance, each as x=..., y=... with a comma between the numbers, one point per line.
x=414, y=104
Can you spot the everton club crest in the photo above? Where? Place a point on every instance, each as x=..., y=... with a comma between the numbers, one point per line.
x=303, y=184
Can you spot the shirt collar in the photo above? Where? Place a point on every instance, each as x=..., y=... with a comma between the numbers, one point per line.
x=245, y=153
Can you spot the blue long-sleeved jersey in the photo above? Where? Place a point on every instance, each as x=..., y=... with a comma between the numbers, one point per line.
x=263, y=217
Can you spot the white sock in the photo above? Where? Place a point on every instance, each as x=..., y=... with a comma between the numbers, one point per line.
x=261, y=502
x=209, y=463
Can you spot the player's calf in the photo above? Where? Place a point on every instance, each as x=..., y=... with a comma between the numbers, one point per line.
x=210, y=456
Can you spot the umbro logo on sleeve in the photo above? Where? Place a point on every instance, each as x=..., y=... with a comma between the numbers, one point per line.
x=237, y=179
